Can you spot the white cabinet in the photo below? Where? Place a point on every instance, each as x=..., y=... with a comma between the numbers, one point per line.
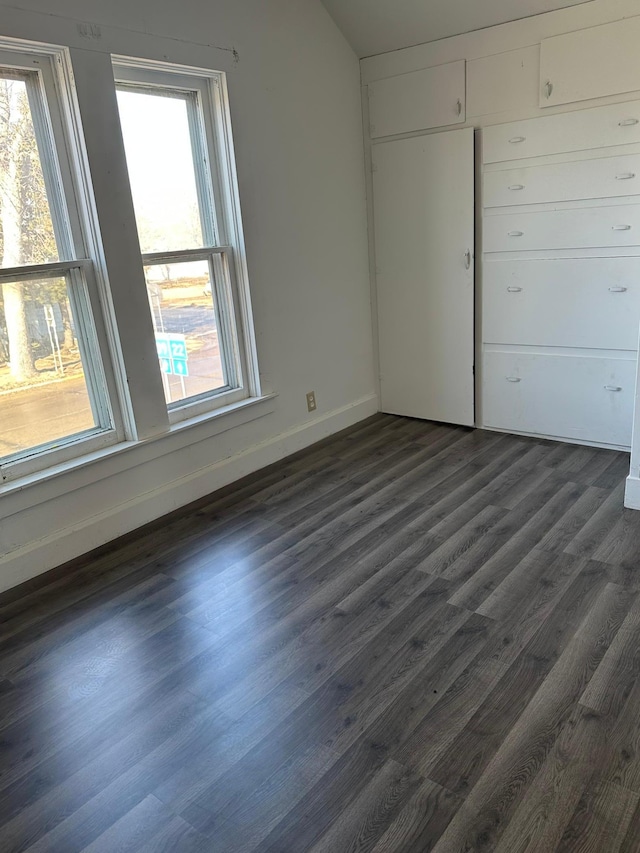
x=590, y=63
x=606, y=177
x=589, y=399
x=582, y=130
x=431, y=97
x=560, y=312
x=423, y=193
x=572, y=302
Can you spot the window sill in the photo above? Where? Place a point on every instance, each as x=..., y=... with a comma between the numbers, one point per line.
x=65, y=477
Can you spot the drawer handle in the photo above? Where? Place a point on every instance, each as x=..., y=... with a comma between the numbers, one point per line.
x=513, y=379
x=514, y=290
x=628, y=122
x=617, y=290
x=621, y=228
x=627, y=176
x=517, y=139
x=613, y=388
x=515, y=187
x=516, y=234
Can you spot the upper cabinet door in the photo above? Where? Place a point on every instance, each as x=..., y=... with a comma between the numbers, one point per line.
x=432, y=97
x=590, y=63
x=424, y=230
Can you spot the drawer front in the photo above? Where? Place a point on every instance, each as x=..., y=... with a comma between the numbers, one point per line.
x=590, y=399
x=586, y=228
x=601, y=178
x=584, y=303
x=559, y=134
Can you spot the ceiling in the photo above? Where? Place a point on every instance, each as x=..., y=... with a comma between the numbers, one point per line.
x=377, y=26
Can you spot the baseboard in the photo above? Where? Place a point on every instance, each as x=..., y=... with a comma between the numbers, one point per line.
x=632, y=493
x=66, y=544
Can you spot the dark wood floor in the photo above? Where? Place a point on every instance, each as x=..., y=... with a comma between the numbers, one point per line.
x=409, y=638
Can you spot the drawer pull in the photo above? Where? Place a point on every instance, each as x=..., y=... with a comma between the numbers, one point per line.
x=627, y=176
x=613, y=388
x=621, y=228
x=628, y=122
x=515, y=187
x=516, y=234
x=513, y=379
x=517, y=139
x=617, y=290
x=514, y=290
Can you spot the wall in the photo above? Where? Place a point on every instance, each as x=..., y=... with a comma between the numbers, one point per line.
x=295, y=102
x=503, y=85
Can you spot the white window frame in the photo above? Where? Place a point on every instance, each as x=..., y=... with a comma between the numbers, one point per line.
x=70, y=200
x=218, y=197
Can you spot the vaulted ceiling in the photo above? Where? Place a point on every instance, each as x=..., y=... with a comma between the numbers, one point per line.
x=377, y=26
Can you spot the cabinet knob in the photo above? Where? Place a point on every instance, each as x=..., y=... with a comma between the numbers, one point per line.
x=617, y=290
x=514, y=290
x=628, y=122
x=516, y=140
x=516, y=187
x=513, y=379
x=627, y=176
x=613, y=388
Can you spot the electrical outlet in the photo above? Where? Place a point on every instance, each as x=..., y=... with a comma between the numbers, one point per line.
x=311, y=401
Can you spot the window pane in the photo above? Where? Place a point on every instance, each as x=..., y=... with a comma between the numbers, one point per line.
x=43, y=392
x=27, y=235
x=185, y=321
x=157, y=140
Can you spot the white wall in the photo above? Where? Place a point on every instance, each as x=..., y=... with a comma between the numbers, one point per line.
x=295, y=103
x=503, y=85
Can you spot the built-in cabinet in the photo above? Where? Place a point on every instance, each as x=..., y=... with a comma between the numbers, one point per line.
x=557, y=209
x=560, y=320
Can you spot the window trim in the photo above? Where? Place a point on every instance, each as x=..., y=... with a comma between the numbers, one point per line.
x=68, y=185
x=226, y=214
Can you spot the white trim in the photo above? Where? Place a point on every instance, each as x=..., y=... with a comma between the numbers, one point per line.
x=66, y=544
x=632, y=493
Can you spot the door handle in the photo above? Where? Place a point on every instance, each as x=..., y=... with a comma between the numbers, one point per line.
x=467, y=259
x=548, y=89
x=613, y=388
x=617, y=290
x=627, y=176
x=459, y=107
x=621, y=228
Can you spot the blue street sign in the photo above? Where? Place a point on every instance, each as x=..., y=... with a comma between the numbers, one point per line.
x=180, y=366
x=172, y=353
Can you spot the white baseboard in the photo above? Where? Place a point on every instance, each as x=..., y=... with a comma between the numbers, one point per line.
x=632, y=493
x=66, y=544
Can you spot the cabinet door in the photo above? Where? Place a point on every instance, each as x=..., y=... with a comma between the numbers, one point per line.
x=590, y=63
x=424, y=232
x=432, y=97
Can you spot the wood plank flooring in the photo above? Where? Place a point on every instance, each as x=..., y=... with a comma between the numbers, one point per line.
x=411, y=637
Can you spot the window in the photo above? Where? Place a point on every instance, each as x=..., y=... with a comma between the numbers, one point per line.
x=173, y=127
x=53, y=391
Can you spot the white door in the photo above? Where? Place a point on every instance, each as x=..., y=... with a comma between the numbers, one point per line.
x=424, y=242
